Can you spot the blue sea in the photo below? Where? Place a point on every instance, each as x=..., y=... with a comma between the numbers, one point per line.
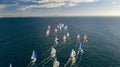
x=21, y=35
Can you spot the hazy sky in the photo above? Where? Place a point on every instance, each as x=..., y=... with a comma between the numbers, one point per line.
x=59, y=8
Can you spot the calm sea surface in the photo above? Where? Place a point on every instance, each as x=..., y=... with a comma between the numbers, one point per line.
x=20, y=36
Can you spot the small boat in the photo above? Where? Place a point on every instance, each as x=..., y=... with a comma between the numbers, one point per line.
x=34, y=56
x=56, y=30
x=73, y=54
x=68, y=35
x=62, y=25
x=56, y=63
x=85, y=38
x=49, y=27
x=48, y=31
x=56, y=40
x=64, y=38
x=53, y=52
x=78, y=36
x=10, y=65
x=81, y=47
x=66, y=27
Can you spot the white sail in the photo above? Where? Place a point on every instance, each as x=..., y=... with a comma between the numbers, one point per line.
x=56, y=63
x=53, y=52
x=67, y=34
x=62, y=25
x=64, y=37
x=78, y=36
x=48, y=31
x=33, y=57
x=49, y=27
x=56, y=30
x=10, y=65
x=73, y=53
x=73, y=56
x=65, y=27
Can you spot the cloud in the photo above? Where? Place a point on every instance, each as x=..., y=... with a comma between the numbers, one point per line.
x=40, y=1
x=82, y=1
x=75, y=2
x=53, y=3
x=2, y=6
x=72, y=4
x=58, y=1
x=114, y=2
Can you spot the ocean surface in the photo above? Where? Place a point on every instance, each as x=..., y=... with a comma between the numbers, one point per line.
x=20, y=36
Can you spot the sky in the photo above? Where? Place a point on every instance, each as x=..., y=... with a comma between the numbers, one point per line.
x=23, y=8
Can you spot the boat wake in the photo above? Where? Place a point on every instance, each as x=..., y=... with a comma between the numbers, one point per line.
x=31, y=64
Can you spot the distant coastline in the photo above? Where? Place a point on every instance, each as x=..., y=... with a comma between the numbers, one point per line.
x=52, y=16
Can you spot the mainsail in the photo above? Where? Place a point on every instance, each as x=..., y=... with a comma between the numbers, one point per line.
x=53, y=52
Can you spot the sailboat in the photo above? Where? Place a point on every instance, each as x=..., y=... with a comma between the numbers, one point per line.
x=64, y=38
x=78, y=37
x=62, y=25
x=48, y=31
x=34, y=56
x=67, y=34
x=66, y=27
x=53, y=52
x=72, y=55
x=56, y=30
x=49, y=27
x=10, y=65
x=85, y=38
x=56, y=40
x=56, y=63
x=81, y=47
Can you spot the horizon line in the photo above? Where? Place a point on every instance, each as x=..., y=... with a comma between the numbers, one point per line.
x=64, y=16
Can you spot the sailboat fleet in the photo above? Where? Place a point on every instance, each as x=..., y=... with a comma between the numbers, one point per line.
x=73, y=54
x=62, y=27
